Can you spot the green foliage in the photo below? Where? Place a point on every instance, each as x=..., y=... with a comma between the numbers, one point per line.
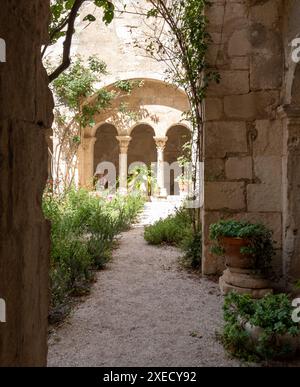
x=177, y=230
x=77, y=83
x=76, y=89
x=261, y=243
x=273, y=314
x=142, y=180
x=60, y=12
x=83, y=229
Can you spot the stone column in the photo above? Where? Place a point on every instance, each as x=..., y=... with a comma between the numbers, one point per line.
x=123, y=162
x=291, y=193
x=160, y=145
x=88, y=145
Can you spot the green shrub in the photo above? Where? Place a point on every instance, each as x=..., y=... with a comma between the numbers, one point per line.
x=192, y=246
x=83, y=229
x=177, y=230
x=273, y=314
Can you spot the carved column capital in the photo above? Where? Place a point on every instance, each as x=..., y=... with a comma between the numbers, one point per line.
x=161, y=142
x=124, y=142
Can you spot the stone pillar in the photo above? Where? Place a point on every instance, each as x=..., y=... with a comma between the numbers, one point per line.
x=160, y=145
x=25, y=114
x=291, y=193
x=123, y=162
x=88, y=145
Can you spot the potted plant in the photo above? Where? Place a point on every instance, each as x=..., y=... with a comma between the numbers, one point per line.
x=245, y=245
x=183, y=183
x=260, y=329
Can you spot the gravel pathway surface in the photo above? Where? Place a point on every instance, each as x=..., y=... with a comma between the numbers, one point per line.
x=144, y=311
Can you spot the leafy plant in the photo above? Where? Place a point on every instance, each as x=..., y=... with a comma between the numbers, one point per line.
x=142, y=180
x=177, y=230
x=272, y=314
x=260, y=238
x=83, y=229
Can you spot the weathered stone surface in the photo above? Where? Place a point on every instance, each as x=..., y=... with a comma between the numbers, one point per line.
x=252, y=106
x=239, y=44
x=254, y=293
x=231, y=83
x=225, y=137
x=213, y=109
x=245, y=280
x=269, y=138
x=25, y=114
x=261, y=78
x=240, y=63
x=214, y=169
x=224, y=195
x=267, y=195
x=239, y=168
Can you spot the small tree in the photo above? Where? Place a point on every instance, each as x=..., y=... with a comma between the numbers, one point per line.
x=78, y=101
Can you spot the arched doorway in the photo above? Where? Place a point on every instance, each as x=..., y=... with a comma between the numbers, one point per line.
x=106, y=149
x=142, y=148
x=178, y=136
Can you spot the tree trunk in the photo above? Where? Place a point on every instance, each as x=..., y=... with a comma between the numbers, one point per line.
x=25, y=114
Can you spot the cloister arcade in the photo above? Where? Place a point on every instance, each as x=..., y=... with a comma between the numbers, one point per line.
x=152, y=134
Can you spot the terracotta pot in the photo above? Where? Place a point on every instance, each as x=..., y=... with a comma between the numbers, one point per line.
x=233, y=256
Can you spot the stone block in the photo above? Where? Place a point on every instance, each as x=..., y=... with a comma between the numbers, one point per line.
x=224, y=195
x=261, y=78
x=266, y=196
x=213, y=109
x=239, y=44
x=240, y=63
x=214, y=169
x=225, y=137
x=269, y=138
x=254, y=105
x=231, y=82
x=211, y=264
x=239, y=168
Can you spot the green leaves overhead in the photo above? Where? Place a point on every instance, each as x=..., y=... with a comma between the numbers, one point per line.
x=109, y=9
x=60, y=12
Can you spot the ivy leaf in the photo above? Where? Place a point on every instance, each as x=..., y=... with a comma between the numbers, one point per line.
x=90, y=18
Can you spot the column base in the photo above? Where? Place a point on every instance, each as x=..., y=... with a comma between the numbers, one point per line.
x=123, y=191
x=162, y=193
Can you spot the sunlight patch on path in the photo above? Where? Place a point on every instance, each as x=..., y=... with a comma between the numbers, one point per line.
x=159, y=209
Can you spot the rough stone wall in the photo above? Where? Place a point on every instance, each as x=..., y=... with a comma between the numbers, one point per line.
x=25, y=112
x=290, y=113
x=243, y=132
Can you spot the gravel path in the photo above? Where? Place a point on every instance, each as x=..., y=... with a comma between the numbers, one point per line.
x=143, y=311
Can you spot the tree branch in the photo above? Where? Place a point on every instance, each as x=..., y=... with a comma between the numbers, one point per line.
x=68, y=41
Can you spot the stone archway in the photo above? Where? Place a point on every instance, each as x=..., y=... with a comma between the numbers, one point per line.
x=178, y=135
x=142, y=146
x=106, y=150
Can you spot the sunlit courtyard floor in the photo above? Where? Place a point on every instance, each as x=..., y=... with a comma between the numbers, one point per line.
x=144, y=311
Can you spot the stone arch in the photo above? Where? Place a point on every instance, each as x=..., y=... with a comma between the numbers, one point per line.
x=178, y=135
x=106, y=148
x=142, y=146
